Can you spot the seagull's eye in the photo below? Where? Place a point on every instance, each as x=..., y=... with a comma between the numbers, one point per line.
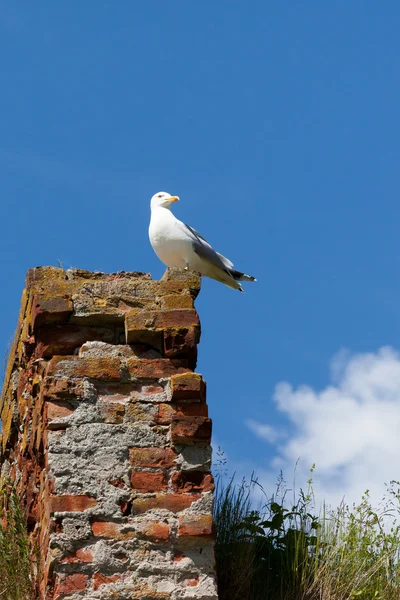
x=159, y=195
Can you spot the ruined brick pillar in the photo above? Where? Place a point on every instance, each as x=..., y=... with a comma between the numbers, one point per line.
x=107, y=437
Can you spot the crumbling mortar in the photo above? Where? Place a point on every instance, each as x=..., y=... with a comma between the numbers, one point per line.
x=87, y=452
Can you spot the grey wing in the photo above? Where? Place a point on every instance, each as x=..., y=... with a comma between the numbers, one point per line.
x=204, y=250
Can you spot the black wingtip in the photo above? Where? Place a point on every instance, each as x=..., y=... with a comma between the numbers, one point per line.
x=239, y=276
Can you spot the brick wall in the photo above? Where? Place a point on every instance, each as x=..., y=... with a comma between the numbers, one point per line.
x=107, y=436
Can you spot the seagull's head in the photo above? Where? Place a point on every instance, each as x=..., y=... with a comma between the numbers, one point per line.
x=162, y=199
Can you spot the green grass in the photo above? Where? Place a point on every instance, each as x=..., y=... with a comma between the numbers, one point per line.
x=15, y=564
x=283, y=552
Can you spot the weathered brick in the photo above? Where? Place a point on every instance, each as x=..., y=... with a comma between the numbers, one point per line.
x=172, y=502
x=179, y=318
x=140, y=323
x=184, y=280
x=168, y=412
x=110, y=411
x=43, y=275
x=64, y=339
x=151, y=390
x=58, y=388
x=154, y=530
x=143, y=591
x=152, y=457
x=50, y=309
x=69, y=503
x=68, y=584
x=155, y=368
x=141, y=411
x=55, y=360
x=109, y=529
x=188, y=386
x=182, y=343
x=81, y=555
x=100, y=579
x=6, y=422
x=58, y=410
x=191, y=430
x=140, y=328
x=165, y=414
x=195, y=525
x=93, y=368
x=173, y=301
x=116, y=391
x=192, y=481
x=148, y=481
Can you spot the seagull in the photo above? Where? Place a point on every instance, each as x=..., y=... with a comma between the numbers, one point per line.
x=179, y=245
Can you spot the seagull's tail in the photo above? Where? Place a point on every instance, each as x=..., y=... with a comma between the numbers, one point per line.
x=238, y=276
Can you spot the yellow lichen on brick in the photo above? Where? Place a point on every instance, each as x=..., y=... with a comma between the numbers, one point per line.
x=175, y=301
x=91, y=367
x=95, y=430
x=6, y=420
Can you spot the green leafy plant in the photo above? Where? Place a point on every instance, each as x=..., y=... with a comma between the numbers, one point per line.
x=284, y=552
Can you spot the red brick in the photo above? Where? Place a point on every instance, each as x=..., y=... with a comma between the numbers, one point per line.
x=140, y=329
x=155, y=368
x=182, y=343
x=185, y=317
x=58, y=388
x=190, y=430
x=152, y=457
x=165, y=414
x=58, y=410
x=173, y=502
x=146, y=481
x=68, y=584
x=109, y=529
x=52, y=340
x=100, y=579
x=156, y=530
x=195, y=526
x=50, y=309
x=192, y=481
x=92, y=367
x=168, y=412
x=151, y=390
x=82, y=555
x=192, y=409
x=189, y=386
x=71, y=503
x=138, y=323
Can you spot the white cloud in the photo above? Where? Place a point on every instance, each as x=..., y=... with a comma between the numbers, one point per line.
x=350, y=429
x=264, y=431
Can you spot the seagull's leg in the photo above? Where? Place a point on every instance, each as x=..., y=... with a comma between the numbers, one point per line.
x=187, y=266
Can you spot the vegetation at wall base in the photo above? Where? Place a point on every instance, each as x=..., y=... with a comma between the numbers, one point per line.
x=15, y=562
x=288, y=552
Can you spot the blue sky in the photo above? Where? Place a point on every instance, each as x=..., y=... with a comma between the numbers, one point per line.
x=278, y=126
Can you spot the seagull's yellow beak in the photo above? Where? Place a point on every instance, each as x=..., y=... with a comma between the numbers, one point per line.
x=174, y=199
